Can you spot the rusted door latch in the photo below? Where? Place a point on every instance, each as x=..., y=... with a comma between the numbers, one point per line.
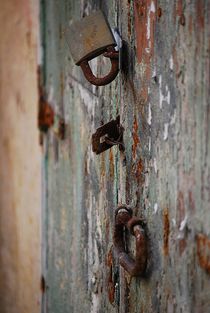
x=112, y=134
x=87, y=39
x=136, y=226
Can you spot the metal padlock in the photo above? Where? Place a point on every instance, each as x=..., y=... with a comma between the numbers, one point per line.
x=87, y=39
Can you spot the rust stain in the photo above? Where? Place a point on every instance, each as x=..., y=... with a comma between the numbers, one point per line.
x=111, y=163
x=46, y=113
x=200, y=13
x=203, y=251
x=190, y=25
x=182, y=19
x=166, y=231
x=111, y=283
x=107, y=230
x=139, y=171
x=145, y=18
x=109, y=258
x=136, y=140
x=179, y=8
x=144, y=25
x=103, y=165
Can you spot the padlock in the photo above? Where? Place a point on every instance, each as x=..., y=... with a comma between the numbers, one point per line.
x=89, y=38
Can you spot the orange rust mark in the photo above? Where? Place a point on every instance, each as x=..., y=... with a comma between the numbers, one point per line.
x=107, y=230
x=144, y=32
x=179, y=8
x=111, y=291
x=190, y=26
x=136, y=140
x=166, y=231
x=109, y=258
x=145, y=18
x=111, y=163
x=111, y=284
x=103, y=167
x=139, y=171
x=200, y=13
x=203, y=251
x=46, y=113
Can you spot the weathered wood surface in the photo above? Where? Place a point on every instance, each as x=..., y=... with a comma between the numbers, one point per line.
x=20, y=159
x=162, y=95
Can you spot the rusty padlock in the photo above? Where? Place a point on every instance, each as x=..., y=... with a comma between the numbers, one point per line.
x=89, y=38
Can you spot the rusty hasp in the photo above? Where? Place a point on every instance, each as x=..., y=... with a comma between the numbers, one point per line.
x=111, y=134
x=136, y=226
x=89, y=38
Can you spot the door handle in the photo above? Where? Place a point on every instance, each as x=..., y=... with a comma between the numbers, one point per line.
x=136, y=226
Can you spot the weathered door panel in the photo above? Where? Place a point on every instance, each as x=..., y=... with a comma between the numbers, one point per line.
x=161, y=95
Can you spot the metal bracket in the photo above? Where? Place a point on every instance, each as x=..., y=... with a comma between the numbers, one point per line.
x=112, y=134
x=124, y=220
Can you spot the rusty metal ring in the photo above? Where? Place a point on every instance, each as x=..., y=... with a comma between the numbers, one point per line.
x=137, y=266
x=101, y=81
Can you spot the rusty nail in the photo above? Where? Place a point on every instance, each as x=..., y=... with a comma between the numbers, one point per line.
x=124, y=220
x=114, y=58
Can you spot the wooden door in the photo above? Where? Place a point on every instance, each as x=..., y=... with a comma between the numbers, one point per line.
x=162, y=97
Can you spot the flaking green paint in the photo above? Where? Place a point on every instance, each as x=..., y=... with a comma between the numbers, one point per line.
x=169, y=171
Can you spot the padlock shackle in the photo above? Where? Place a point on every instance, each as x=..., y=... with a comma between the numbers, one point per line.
x=101, y=81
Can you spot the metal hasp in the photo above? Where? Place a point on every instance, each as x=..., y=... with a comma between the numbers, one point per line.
x=112, y=134
x=89, y=38
x=123, y=221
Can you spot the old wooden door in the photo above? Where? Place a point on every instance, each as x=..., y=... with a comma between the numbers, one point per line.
x=162, y=97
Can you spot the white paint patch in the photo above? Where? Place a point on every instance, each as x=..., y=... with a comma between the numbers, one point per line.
x=171, y=63
x=117, y=38
x=182, y=227
x=167, y=97
x=173, y=118
x=149, y=119
x=151, y=10
x=161, y=96
x=173, y=222
x=150, y=143
x=155, y=208
x=154, y=72
x=148, y=27
x=183, y=223
x=152, y=7
x=50, y=94
x=165, y=132
x=155, y=165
